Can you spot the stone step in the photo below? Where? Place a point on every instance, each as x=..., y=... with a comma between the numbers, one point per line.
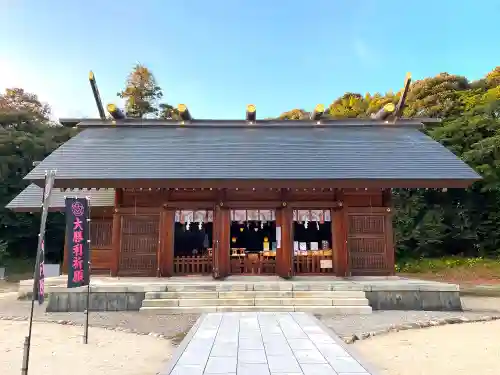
x=311, y=301
x=342, y=310
x=190, y=302
x=178, y=295
x=193, y=302
x=256, y=294
x=260, y=286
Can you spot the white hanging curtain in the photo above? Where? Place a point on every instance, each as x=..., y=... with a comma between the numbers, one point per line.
x=311, y=215
x=253, y=215
x=199, y=216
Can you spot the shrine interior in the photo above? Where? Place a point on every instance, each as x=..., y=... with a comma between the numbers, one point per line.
x=253, y=236
x=192, y=239
x=312, y=236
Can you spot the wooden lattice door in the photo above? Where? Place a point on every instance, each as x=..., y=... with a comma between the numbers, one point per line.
x=367, y=242
x=139, y=245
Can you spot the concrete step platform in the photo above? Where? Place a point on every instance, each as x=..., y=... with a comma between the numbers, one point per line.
x=256, y=294
x=340, y=310
x=311, y=301
x=228, y=286
x=171, y=302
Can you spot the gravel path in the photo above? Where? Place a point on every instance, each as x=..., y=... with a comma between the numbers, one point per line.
x=486, y=304
x=58, y=350
x=363, y=326
x=171, y=325
x=448, y=350
x=352, y=327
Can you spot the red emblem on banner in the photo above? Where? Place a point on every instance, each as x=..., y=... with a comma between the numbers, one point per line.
x=78, y=209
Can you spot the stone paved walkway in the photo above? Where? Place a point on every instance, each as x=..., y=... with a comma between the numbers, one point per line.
x=263, y=344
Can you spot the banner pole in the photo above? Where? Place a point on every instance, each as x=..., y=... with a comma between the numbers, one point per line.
x=86, y=326
x=49, y=180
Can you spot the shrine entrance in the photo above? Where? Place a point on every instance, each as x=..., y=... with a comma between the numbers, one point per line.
x=312, y=242
x=193, y=236
x=139, y=245
x=253, y=242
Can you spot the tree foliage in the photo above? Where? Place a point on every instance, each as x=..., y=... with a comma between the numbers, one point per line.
x=168, y=112
x=141, y=93
x=26, y=136
x=19, y=108
x=428, y=222
x=142, y=96
x=294, y=114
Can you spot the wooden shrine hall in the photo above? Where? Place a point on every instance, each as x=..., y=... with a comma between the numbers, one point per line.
x=225, y=197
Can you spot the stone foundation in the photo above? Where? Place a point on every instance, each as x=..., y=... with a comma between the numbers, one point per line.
x=415, y=300
x=75, y=300
x=122, y=294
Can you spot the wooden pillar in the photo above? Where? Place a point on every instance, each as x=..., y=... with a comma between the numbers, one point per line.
x=221, y=240
x=116, y=233
x=279, y=244
x=340, y=237
x=389, y=233
x=167, y=234
x=284, y=253
x=224, y=244
x=65, y=255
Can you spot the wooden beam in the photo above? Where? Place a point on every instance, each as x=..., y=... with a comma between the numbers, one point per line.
x=279, y=243
x=190, y=205
x=284, y=256
x=389, y=233
x=365, y=210
x=116, y=233
x=313, y=205
x=138, y=210
x=63, y=182
x=221, y=243
x=340, y=237
x=65, y=255
x=253, y=204
x=167, y=235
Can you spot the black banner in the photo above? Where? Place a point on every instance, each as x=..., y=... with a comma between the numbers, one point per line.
x=77, y=241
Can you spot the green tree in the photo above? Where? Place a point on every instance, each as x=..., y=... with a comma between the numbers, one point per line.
x=141, y=93
x=294, y=114
x=19, y=108
x=459, y=221
x=26, y=135
x=168, y=112
x=349, y=105
x=437, y=96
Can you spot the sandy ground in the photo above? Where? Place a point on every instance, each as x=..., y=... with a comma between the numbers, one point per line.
x=461, y=349
x=58, y=350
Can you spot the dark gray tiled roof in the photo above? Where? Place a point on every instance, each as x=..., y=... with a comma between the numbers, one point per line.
x=335, y=152
x=30, y=199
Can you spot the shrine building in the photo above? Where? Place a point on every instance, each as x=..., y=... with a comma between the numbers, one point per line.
x=227, y=197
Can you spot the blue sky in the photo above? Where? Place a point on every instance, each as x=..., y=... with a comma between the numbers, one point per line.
x=218, y=56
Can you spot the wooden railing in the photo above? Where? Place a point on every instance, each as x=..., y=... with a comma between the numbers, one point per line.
x=190, y=265
x=311, y=264
x=260, y=265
